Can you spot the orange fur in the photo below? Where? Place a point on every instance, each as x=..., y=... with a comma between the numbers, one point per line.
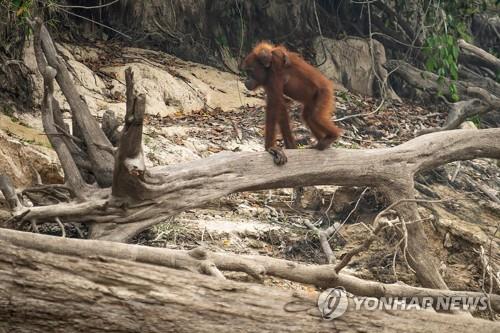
x=282, y=72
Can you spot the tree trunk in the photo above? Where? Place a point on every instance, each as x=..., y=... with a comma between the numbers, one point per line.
x=44, y=292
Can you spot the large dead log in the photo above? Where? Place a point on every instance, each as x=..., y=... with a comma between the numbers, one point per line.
x=475, y=55
x=428, y=81
x=199, y=259
x=44, y=292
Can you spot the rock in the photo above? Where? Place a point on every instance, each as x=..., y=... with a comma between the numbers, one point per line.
x=163, y=152
x=468, y=125
x=349, y=64
x=179, y=87
x=165, y=94
x=89, y=85
x=220, y=89
x=447, y=240
x=21, y=162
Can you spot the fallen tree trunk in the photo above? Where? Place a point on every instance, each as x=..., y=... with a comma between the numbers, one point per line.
x=475, y=55
x=428, y=81
x=44, y=292
x=197, y=260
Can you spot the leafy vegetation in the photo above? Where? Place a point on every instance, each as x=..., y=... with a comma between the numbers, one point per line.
x=21, y=7
x=442, y=58
x=447, y=22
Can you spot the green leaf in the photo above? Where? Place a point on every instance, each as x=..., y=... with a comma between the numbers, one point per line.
x=450, y=60
x=454, y=71
x=453, y=88
x=430, y=64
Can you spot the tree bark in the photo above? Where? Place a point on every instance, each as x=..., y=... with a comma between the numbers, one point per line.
x=110, y=126
x=428, y=81
x=49, y=104
x=129, y=170
x=93, y=136
x=9, y=193
x=44, y=292
x=475, y=55
x=196, y=260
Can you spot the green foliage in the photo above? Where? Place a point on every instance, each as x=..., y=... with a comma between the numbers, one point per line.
x=17, y=12
x=442, y=59
x=440, y=47
x=21, y=8
x=476, y=120
x=447, y=22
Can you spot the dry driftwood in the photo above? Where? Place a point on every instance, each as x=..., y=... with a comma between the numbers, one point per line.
x=47, y=292
x=477, y=99
x=479, y=57
x=428, y=81
x=9, y=193
x=49, y=107
x=458, y=113
x=323, y=236
x=198, y=259
x=96, y=143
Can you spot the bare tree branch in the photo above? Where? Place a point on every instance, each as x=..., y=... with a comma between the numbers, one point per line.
x=102, y=160
x=71, y=172
x=476, y=55
x=128, y=176
x=9, y=193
